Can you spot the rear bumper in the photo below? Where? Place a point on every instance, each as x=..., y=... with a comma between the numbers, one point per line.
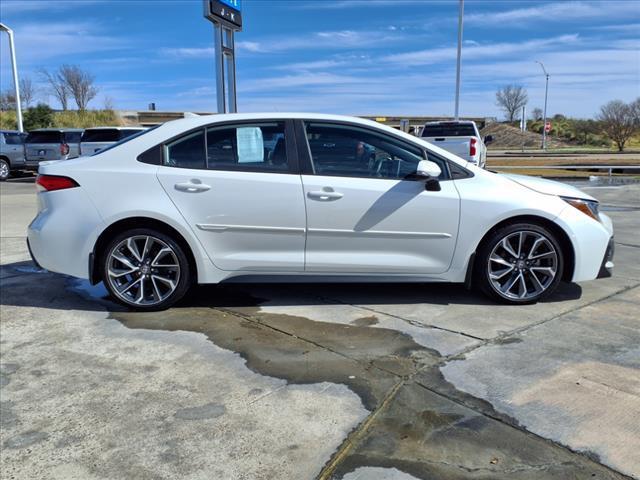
x=606, y=267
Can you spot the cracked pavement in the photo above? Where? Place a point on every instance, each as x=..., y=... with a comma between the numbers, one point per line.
x=373, y=382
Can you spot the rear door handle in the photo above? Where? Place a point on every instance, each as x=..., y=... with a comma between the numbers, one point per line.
x=324, y=196
x=192, y=187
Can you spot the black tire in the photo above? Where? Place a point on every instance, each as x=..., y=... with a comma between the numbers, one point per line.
x=182, y=276
x=5, y=169
x=530, y=270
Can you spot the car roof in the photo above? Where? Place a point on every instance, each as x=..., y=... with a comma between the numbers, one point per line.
x=115, y=128
x=451, y=122
x=57, y=130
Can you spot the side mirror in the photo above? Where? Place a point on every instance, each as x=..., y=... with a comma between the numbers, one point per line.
x=428, y=169
x=488, y=139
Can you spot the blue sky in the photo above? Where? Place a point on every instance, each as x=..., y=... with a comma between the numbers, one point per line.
x=339, y=56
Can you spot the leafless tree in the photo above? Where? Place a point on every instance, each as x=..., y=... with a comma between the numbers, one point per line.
x=7, y=100
x=80, y=84
x=27, y=92
x=635, y=111
x=537, y=113
x=57, y=86
x=511, y=99
x=618, y=121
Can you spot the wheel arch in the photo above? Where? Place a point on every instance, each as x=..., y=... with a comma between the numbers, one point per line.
x=566, y=245
x=95, y=263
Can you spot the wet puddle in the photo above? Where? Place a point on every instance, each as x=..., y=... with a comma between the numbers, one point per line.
x=419, y=423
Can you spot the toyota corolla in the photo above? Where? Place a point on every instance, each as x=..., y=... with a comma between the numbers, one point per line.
x=306, y=197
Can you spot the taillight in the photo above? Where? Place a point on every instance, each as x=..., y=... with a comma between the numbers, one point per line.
x=472, y=147
x=64, y=149
x=49, y=183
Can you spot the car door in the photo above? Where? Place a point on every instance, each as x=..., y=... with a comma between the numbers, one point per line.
x=239, y=189
x=11, y=146
x=366, y=212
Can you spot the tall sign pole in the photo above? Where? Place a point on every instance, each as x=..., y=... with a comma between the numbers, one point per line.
x=14, y=67
x=226, y=16
x=460, y=15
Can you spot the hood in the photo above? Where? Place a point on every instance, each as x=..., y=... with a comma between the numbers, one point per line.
x=548, y=187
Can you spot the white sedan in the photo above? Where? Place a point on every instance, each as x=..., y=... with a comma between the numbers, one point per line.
x=306, y=197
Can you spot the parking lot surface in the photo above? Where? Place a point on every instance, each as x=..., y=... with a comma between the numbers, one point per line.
x=350, y=382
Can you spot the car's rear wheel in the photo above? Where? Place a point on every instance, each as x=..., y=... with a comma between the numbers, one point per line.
x=5, y=170
x=145, y=269
x=519, y=264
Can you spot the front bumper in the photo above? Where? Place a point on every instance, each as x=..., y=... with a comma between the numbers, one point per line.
x=606, y=268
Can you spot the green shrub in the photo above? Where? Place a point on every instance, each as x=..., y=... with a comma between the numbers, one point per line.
x=40, y=116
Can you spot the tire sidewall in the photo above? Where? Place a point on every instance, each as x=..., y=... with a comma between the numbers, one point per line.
x=185, y=271
x=482, y=272
x=3, y=161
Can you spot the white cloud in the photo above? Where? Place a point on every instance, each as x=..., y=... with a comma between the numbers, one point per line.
x=436, y=55
x=558, y=11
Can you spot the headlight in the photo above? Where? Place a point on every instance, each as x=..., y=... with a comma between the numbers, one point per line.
x=588, y=207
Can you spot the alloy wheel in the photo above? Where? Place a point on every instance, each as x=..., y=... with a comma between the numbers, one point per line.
x=522, y=265
x=143, y=270
x=4, y=170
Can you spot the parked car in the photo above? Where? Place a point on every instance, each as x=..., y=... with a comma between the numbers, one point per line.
x=462, y=138
x=52, y=144
x=244, y=197
x=97, y=138
x=11, y=152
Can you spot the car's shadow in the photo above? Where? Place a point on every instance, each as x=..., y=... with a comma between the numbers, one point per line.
x=23, y=284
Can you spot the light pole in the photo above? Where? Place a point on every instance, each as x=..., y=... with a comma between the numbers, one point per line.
x=14, y=66
x=544, y=114
x=460, y=15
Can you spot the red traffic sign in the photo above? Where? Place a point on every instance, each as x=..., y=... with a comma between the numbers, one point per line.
x=547, y=127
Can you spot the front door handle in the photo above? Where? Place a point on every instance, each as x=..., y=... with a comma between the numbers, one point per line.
x=192, y=186
x=325, y=195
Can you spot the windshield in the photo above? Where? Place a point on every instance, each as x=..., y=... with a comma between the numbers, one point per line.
x=125, y=140
x=44, y=137
x=451, y=130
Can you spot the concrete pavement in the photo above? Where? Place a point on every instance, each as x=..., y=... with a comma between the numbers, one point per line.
x=305, y=381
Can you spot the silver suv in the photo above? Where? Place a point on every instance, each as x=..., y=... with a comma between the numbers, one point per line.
x=11, y=152
x=52, y=144
x=97, y=138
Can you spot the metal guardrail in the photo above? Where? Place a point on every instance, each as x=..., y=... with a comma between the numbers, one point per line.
x=609, y=168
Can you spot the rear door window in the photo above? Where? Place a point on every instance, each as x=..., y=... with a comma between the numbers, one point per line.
x=101, y=135
x=187, y=152
x=44, y=137
x=256, y=147
x=444, y=130
x=13, y=138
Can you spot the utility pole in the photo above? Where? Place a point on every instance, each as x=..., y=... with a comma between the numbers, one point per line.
x=544, y=114
x=14, y=67
x=460, y=15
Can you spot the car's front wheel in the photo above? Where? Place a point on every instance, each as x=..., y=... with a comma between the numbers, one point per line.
x=520, y=264
x=145, y=269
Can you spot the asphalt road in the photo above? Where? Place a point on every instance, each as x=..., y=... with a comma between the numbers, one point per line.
x=319, y=381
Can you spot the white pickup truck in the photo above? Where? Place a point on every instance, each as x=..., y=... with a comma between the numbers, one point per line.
x=461, y=138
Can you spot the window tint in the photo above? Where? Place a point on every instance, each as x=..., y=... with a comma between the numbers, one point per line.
x=44, y=137
x=187, y=152
x=13, y=138
x=128, y=132
x=449, y=130
x=101, y=135
x=72, y=137
x=354, y=152
x=255, y=147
